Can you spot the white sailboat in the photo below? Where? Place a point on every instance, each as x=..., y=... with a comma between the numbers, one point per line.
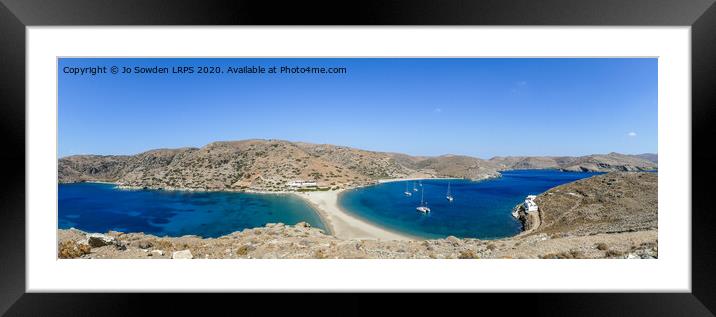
x=407, y=192
x=415, y=189
x=449, y=196
x=423, y=204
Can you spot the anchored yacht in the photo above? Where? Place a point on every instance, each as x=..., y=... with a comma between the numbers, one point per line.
x=423, y=204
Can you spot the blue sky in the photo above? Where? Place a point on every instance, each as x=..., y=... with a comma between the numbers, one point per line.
x=477, y=107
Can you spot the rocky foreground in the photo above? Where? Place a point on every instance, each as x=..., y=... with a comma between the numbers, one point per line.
x=607, y=216
x=279, y=241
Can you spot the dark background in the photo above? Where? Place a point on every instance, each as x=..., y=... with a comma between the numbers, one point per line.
x=16, y=14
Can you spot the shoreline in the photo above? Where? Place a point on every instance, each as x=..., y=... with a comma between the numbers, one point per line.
x=344, y=225
x=338, y=222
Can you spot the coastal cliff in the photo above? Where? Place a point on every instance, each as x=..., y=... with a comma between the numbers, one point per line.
x=269, y=165
x=606, y=216
x=530, y=221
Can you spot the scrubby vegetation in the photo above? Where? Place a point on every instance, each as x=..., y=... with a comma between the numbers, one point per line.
x=71, y=250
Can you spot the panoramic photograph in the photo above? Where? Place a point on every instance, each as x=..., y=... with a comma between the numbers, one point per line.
x=357, y=158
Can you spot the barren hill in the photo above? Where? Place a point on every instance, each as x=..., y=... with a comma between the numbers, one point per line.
x=613, y=202
x=589, y=163
x=268, y=165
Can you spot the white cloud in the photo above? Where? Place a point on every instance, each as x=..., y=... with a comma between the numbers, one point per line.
x=631, y=134
x=438, y=110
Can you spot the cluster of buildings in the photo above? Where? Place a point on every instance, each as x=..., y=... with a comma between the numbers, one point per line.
x=297, y=184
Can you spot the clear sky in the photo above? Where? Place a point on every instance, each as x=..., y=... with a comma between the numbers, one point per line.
x=477, y=107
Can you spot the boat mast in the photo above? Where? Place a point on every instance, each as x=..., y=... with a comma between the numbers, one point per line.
x=422, y=191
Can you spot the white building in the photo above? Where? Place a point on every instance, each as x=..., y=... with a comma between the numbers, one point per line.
x=302, y=184
x=530, y=205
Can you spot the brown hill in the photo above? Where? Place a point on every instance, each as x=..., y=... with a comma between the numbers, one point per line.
x=266, y=165
x=613, y=202
x=458, y=166
x=590, y=163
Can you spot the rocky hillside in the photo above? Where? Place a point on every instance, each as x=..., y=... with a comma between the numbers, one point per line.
x=590, y=163
x=609, y=203
x=268, y=165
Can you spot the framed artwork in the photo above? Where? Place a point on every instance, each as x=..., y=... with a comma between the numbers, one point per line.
x=558, y=151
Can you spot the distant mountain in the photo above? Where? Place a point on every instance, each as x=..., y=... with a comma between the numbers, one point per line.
x=589, y=163
x=651, y=157
x=268, y=165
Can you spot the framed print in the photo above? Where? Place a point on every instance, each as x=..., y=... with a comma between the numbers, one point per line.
x=468, y=147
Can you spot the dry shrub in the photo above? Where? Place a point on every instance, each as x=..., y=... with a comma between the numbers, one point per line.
x=576, y=254
x=243, y=250
x=614, y=253
x=467, y=254
x=71, y=250
x=572, y=254
x=163, y=245
x=602, y=246
x=320, y=254
x=491, y=247
x=645, y=245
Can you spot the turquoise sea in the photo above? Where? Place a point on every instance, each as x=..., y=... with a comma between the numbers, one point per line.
x=479, y=210
x=96, y=207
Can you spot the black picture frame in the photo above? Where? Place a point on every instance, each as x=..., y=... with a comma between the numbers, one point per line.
x=16, y=15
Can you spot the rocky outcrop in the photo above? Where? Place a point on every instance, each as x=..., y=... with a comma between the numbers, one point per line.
x=530, y=220
x=183, y=254
x=97, y=240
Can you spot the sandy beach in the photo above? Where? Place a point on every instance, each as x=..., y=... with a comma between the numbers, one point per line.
x=344, y=225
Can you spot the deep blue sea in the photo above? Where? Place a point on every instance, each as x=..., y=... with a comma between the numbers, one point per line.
x=479, y=210
x=100, y=207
